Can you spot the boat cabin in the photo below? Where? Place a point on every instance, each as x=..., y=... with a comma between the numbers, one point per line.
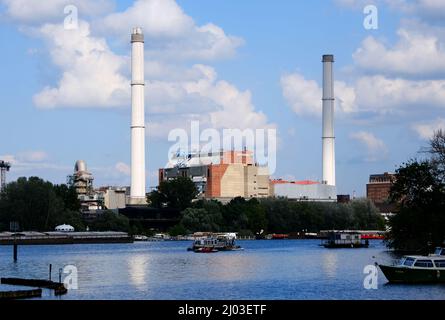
x=422, y=262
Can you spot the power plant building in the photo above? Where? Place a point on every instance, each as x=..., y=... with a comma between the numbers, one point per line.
x=221, y=175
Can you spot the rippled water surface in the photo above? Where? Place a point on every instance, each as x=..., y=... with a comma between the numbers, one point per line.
x=282, y=269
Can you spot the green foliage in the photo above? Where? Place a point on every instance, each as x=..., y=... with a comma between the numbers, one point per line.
x=420, y=194
x=37, y=205
x=73, y=218
x=280, y=216
x=194, y=219
x=286, y=216
x=177, y=230
x=111, y=221
x=68, y=195
x=245, y=215
x=177, y=193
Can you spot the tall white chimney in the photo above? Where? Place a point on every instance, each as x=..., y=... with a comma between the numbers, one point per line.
x=137, y=192
x=328, y=139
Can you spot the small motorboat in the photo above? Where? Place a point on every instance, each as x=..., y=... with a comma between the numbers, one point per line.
x=417, y=269
x=140, y=238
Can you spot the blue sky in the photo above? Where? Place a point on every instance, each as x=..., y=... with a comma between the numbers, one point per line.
x=229, y=64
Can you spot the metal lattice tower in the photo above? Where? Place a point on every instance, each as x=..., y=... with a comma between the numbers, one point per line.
x=4, y=167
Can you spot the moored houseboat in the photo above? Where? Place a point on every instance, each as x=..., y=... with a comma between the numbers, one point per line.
x=344, y=239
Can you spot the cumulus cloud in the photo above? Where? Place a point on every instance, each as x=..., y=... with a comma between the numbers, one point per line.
x=304, y=96
x=169, y=32
x=415, y=54
x=94, y=75
x=376, y=148
x=425, y=130
x=425, y=9
x=91, y=72
x=216, y=103
x=380, y=94
x=37, y=12
x=376, y=94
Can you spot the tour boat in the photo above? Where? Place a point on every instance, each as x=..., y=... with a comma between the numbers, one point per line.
x=417, y=269
x=215, y=241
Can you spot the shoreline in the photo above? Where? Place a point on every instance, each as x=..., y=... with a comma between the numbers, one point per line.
x=50, y=238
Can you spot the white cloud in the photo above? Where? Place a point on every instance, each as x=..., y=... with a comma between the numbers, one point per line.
x=158, y=19
x=367, y=94
x=93, y=75
x=425, y=130
x=379, y=94
x=214, y=103
x=304, y=96
x=29, y=162
x=236, y=109
x=376, y=148
x=91, y=72
x=425, y=9
x=356, y=4
x=123, y=168
x=37, y=11
x=415, y=54
x=32, y=156
x=26, y=158
x=169, y=32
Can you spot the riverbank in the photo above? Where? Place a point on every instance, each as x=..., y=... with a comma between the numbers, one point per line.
x=54, y=237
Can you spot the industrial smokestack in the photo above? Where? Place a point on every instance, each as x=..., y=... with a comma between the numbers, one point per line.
x=137, y=192
x=328, y=139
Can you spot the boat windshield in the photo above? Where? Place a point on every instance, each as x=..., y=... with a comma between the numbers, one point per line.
x=408, y=262
x=439, y=251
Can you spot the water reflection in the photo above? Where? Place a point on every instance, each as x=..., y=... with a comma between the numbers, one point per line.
x=137, y=269
x=330, y=264
x=230, y=266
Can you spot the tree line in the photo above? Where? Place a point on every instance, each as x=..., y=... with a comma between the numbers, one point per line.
x=257, y=216
x=39, y=205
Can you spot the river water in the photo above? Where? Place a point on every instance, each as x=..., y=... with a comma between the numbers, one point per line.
x=274, y=269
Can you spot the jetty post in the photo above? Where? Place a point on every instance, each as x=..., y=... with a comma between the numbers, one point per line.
x=15, y=251
x=14, y=227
